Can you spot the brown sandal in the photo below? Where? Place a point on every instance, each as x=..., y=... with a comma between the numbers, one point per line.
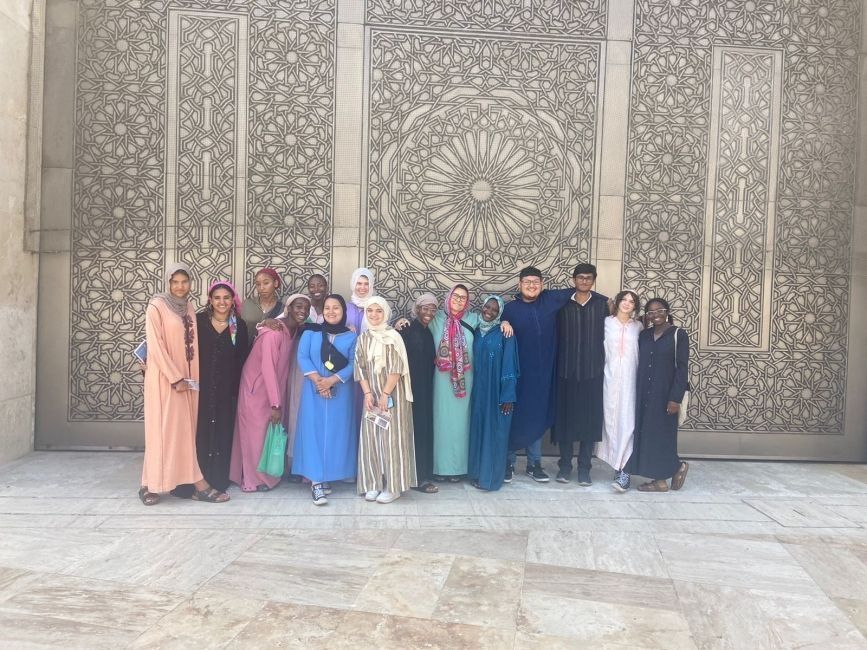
x=653, y=486
x=427, y=488
x=148, y=498
x=678, y=479
x=211, y=495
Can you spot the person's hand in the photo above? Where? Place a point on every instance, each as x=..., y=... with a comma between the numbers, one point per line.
x=383, y=403
x=276, y=414
x=506, y=408
x=326, y=393
x=143, y=367
x=506, y=329
x=369, y=402
x=400, y=323
x=317, y=380
x=325, y=383
x=352, y=329
x=182, y=386
x=271, y=324
x=672, y=408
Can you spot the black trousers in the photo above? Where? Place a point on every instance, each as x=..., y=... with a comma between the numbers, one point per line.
x=585, y=454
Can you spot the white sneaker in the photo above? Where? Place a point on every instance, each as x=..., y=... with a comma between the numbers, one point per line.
x=319, y=498
x=326, y=487
x=387, y=497
x=371, y=496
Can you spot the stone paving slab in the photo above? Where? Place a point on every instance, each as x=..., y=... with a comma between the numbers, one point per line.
x=748, y=554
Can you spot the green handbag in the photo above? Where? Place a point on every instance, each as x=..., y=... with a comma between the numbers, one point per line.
x=273, y=459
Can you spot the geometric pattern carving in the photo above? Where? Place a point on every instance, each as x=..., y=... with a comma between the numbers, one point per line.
x=683, y=22
x=291, y=132
x=671, y=85
x=668, y=157
x=575, y=17
x=204, y=132
x=814, y=235
x=782, y=367
x=480, y=162
x=667, y=233
x=742, y=190
x=819, y=86
x=482, y=125
x=826, y=25
x=207, y=129
x=118, y=205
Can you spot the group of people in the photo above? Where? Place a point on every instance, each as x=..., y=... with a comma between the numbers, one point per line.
x=446, y=394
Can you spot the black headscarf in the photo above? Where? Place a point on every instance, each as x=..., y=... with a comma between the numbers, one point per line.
x=329, y=353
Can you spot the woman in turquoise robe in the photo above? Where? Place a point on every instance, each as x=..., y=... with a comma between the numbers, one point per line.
x=496, y=377
x=453, y=331
x=326, y=437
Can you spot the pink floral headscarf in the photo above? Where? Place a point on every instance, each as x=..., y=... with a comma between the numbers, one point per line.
x=453, y=355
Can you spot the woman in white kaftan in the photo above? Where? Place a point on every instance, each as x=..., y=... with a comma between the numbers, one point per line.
x=618, y=392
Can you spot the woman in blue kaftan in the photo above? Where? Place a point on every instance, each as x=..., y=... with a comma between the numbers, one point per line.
x=496, y=377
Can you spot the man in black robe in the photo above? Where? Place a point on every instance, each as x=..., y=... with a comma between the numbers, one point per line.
x=421, y=352
x=580, y=372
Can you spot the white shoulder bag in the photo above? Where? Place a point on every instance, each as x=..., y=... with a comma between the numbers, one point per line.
x=682, y=415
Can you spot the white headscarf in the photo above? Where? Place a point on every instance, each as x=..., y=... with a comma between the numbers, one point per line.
x=290, y=300
x=422, y=300
x=382, y=335
x=356, y=299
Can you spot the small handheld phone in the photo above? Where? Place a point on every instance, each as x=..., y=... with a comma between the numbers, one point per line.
x=381, y=420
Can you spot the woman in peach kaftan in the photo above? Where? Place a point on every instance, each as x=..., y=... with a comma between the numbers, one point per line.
x=171, y=395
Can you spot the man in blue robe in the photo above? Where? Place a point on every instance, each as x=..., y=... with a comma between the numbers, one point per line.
x=533, y=316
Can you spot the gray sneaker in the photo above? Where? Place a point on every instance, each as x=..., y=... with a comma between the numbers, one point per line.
x=584, y=478
x=621, y=482
x=563, y=476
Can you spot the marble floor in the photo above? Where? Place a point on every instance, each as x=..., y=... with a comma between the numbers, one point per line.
x=747, y=555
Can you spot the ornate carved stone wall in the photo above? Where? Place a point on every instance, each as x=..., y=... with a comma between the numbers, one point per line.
x=740, y=200
x=203, y=134
x=481, y=163
x=701, y=150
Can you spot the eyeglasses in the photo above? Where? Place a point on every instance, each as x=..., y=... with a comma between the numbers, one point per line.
x=531, y=283
x=457, y=296
x=654, y=312
x=584, y=278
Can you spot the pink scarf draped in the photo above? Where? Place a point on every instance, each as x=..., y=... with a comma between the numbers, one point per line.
x=452, y=353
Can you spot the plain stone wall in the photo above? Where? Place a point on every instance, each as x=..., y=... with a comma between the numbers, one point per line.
x=18, y=267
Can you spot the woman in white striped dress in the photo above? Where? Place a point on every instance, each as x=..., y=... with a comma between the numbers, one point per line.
x=386, y=454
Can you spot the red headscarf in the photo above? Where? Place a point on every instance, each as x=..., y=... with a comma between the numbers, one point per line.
x=271, y=273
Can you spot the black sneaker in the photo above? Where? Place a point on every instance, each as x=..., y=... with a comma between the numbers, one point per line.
x=319, y=498
x=584, y=478
x=563, y=475
x=510, y=471
x=536, y=473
